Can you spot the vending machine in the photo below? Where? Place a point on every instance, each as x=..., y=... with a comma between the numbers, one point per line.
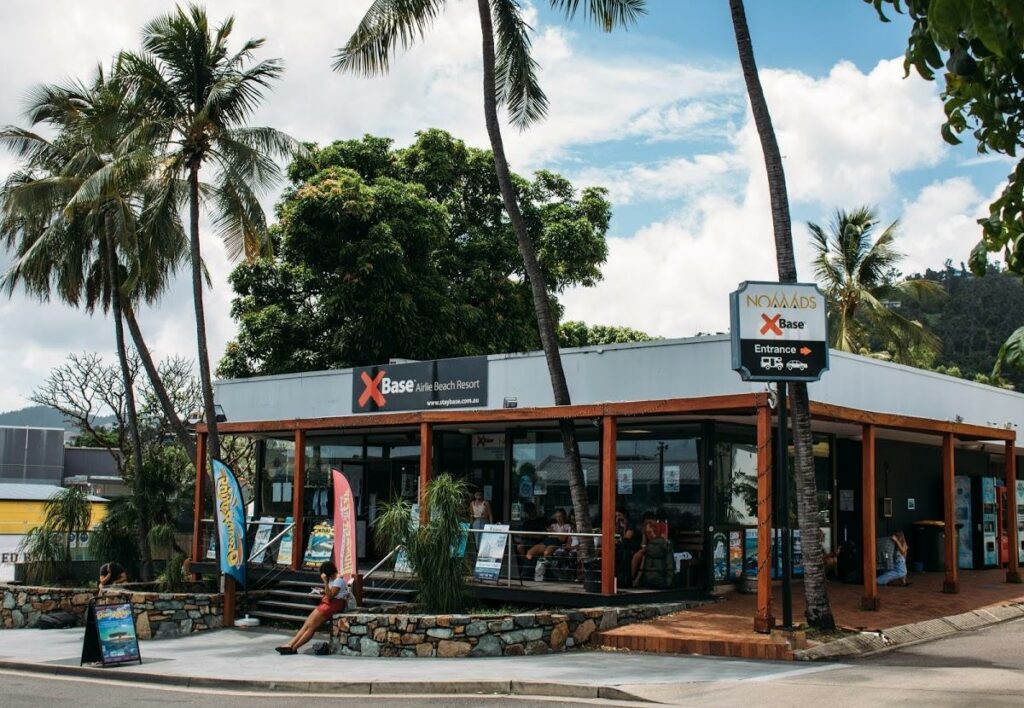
x=989, y=550
x=962, y=515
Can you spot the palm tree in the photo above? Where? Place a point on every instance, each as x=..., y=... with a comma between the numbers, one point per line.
x=855, y=273
x=81, y=204
x=203, y=94
x=819, y=610
x=510, y=81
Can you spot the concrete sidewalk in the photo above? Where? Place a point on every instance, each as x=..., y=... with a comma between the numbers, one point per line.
x=245, y=660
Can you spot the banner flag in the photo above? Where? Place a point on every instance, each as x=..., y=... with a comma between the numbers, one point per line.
x=344, y=527
x=230, y=521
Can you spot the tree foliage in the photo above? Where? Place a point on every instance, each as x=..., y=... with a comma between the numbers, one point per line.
x=854, y=268
x=580, y=334
x=385, y=253
x=980, y=45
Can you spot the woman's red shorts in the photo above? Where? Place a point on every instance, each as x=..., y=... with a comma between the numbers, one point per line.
x=330, y=607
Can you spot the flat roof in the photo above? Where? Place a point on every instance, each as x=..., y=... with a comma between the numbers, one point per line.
x=13, y=491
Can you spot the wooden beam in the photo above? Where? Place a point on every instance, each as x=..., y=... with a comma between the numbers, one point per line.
x=426, y=467
x=609, y=436
x=197, y=522
x=1013, y=539
x=741, y=403
x=298, y=499
x=764, y=621
x=230, y=592
x=964, y=431
x=869, y=514
x=951, y=584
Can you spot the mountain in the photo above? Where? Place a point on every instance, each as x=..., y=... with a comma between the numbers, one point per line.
x=43, y=417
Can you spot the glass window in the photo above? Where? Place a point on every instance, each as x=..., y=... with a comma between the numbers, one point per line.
x=736, y=490
x=540, y=473
x=276, y=478
x=658, y=474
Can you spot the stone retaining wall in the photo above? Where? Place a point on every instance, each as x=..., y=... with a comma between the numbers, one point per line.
x=484, y=635
x=157, y=615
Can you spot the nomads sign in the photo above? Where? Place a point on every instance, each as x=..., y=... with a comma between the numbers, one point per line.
x=421, y=385
x=779, y=331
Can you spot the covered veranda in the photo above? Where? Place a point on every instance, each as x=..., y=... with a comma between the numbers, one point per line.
x=750, y=409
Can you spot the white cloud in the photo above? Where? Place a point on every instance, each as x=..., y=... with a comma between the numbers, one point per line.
x=940, y=223
x=844, y=138
x=671, y=179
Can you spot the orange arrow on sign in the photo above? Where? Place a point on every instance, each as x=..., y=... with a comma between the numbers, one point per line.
x=805, y=351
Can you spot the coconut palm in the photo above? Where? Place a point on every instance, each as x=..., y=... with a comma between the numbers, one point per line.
x=203, y=94
x=819, y=610
x=509, y=81
x=854, y=271
x=85, y=218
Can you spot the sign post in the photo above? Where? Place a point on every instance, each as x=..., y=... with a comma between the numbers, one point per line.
x=780, y=334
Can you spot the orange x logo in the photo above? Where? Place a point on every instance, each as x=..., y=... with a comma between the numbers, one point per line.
x=771, y=324
x=372, y=389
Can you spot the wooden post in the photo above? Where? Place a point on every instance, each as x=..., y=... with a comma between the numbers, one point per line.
x=229, y=601
x=1013, y=538
x=609, y=435
x=763, y=620
x=197, y=522
x=426, y=465
x=952, y=583
x=869, y=515
x=298, y=499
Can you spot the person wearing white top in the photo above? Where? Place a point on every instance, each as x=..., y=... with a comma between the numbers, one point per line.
x=559, y=538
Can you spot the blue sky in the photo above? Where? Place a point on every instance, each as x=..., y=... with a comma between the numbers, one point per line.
x=658, y=115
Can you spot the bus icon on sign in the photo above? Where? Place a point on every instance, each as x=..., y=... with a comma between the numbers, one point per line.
x=771, y=363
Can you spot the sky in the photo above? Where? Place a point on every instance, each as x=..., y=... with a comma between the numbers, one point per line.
x=657, y=115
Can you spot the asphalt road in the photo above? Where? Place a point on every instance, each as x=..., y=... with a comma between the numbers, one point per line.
x=23, y=690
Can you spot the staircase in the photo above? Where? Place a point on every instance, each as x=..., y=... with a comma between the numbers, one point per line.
x=289, y=602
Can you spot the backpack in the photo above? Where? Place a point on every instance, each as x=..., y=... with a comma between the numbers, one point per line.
x=658, y=570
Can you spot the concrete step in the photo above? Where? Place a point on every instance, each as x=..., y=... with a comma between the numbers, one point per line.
x=270, y=605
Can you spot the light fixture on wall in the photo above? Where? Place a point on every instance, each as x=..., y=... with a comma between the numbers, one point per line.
x=510, y=402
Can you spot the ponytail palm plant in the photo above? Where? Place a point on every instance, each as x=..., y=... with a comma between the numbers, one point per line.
x=510, y=81
x=854, y=270
x=202, y=94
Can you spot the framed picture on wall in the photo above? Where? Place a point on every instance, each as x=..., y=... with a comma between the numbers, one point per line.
x=887, y=507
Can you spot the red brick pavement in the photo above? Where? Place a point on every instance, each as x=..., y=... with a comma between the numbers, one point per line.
x=726, y=628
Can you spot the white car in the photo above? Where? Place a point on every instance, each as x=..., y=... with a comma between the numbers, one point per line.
x=796, y=365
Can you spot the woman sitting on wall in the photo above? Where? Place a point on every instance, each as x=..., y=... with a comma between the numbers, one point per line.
x=336, y=597
x=898, y=574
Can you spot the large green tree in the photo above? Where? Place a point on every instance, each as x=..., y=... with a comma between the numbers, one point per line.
x=203, y=93
x=510, y=81
x=580, y=334
x=980, y=46
x=854, y=269
x=818, y=608
x=385, y=253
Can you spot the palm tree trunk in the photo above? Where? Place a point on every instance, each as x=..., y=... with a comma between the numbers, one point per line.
x=141, y=523
x=541, y=301
x=819, y=611
x=205, y=382
x=184, y=439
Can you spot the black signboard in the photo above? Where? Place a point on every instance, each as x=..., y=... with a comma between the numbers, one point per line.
x=779, y=331
x=110, y=637
x=421, y=385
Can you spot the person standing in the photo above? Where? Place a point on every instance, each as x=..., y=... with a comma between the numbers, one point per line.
x=480, y=511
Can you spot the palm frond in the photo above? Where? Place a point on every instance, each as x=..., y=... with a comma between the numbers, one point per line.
x=386, y=25
x=516, y=82
x=606, y=14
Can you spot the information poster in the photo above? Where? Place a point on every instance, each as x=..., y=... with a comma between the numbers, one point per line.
x=493, y=542
x=720, y=556
x=260, y=547
x=670, y=479
x=402, y=562
x=624, y=479
x=735, y=555
x=320, y=546
x=284, y=549
x=460, y=543
x=750, y=552
x=845, y=500
x=540, y=485
x=110, y=635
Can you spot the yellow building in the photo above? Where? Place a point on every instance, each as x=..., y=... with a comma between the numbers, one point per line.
x=22, y=508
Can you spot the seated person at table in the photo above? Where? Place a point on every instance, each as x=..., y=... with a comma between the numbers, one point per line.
x=559, y=538
x=899, y=566
x=649, y=533
x=335, y=599
x=533, y=523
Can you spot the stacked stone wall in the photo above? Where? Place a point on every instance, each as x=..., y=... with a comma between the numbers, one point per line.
x=157, y=615
x=408, y=635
